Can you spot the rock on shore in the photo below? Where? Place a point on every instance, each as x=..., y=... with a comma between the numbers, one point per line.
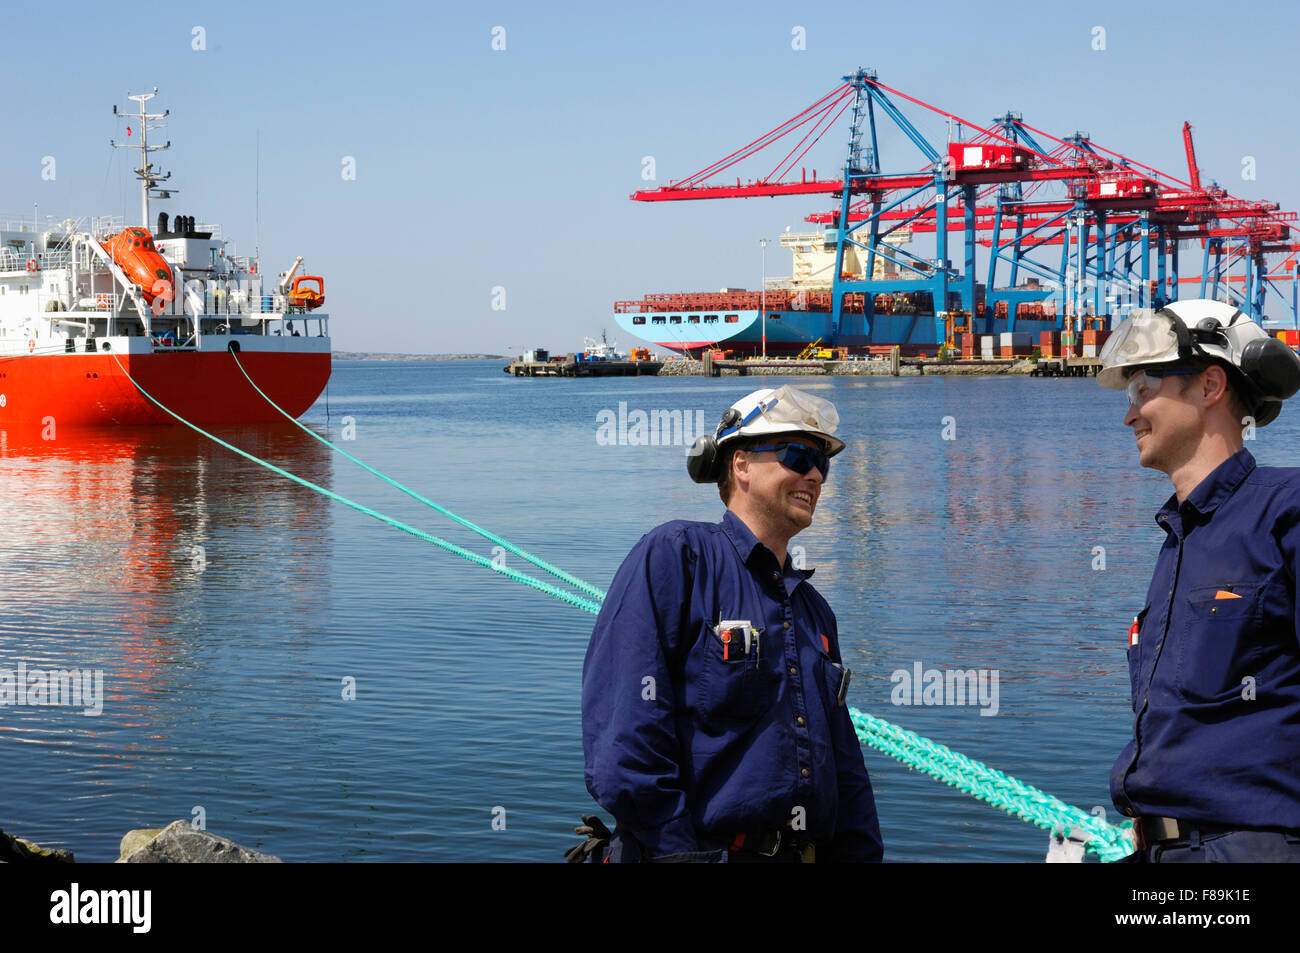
x=177, y=843
x=16, y=850
x=180, y=843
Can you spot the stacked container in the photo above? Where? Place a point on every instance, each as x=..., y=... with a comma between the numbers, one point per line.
x=1093, y=341
x=1016, y=344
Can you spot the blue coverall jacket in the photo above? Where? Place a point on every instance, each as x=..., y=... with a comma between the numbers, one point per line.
x=690, y=741
x=1215, y=671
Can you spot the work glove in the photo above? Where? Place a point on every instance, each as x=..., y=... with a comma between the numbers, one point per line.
x=597, y=837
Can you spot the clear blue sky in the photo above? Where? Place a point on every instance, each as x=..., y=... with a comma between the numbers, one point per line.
x=478, y=168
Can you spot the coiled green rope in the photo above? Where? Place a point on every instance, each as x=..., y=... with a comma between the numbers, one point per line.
x=1107, y=841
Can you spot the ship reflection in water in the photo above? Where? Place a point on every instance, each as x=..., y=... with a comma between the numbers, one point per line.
x=151, y=555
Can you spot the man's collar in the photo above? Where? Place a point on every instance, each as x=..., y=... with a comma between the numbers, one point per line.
x=747, y=544
x=1217, y=486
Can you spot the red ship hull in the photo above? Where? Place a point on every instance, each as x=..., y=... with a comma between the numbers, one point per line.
x=204, y=387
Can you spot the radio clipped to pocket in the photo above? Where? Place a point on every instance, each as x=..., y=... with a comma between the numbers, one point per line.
x=740, y=640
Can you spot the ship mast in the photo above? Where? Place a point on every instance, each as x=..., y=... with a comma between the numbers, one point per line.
x=149, y=178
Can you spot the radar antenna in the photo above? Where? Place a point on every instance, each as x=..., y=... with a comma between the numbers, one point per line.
x=148, y=176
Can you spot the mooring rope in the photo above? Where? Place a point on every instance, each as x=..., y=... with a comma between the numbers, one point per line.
x=1108, y=841
x=996, y=788
x=546, y=587
x=486, y=534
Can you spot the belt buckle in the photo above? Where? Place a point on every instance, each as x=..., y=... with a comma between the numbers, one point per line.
x=776, y=846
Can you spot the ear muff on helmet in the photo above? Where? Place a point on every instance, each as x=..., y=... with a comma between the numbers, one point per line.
x=1262, y=408
x=1271, y=372
x=1271, y=366
x=1266, y=410
x=703, y=461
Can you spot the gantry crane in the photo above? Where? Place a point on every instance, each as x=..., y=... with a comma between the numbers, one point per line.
x=1117, y=227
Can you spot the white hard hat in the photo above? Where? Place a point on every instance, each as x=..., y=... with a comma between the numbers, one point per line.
x=769, y=411
x=781, y=410
x=1199, y=329
x=1179, y=332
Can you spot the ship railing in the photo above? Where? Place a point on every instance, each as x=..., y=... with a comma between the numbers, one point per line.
x=16, y=222
x=235, y=302
x=16, y=260
x=106, y=224
x=99, y=224
x=13, y=222
x=61, y=258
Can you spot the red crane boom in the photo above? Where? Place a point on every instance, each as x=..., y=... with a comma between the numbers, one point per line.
x=1193, y=173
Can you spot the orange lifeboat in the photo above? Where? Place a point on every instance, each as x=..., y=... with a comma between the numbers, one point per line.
x=305, y=296
x=134, y=252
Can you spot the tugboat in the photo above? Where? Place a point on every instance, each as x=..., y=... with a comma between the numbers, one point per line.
x=84, y=303
x=601, y=350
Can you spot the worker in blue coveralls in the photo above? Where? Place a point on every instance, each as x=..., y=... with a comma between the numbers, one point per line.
x=714, y=721
x=1213, y=771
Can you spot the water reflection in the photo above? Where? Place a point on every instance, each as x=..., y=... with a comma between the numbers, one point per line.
x=125, y=548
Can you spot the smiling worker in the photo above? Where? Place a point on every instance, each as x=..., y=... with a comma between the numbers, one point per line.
x=1213, y=771
x=714, y=719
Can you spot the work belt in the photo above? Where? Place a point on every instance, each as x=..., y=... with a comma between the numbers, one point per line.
x=780, y=845
x=1153, y=830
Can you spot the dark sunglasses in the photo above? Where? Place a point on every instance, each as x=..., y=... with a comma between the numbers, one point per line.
x=799, y=457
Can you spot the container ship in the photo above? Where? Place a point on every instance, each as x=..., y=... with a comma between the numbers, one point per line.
x=800, y=310
x=89, y=305
x=1005, y=229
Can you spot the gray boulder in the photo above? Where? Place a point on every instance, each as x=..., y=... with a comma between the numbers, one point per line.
x=180, y=843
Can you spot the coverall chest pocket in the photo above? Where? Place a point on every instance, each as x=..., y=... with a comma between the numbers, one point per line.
x=731, y=679
x=1134, y=653
x=1220, y=643
x=835, y=683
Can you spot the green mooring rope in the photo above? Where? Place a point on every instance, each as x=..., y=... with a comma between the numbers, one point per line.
x=483, y=561
x=1107, y=841
x=486, y=534
x=994, y=787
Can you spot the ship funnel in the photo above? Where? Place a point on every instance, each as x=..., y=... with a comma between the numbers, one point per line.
x=162, y=223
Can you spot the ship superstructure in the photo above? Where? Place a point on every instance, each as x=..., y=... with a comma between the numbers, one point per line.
x=84, y=303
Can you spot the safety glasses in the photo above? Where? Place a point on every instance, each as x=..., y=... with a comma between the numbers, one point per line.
x=799, y=457
x=1143, y=385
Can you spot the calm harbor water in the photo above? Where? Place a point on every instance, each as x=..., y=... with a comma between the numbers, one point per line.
x=228, y=608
